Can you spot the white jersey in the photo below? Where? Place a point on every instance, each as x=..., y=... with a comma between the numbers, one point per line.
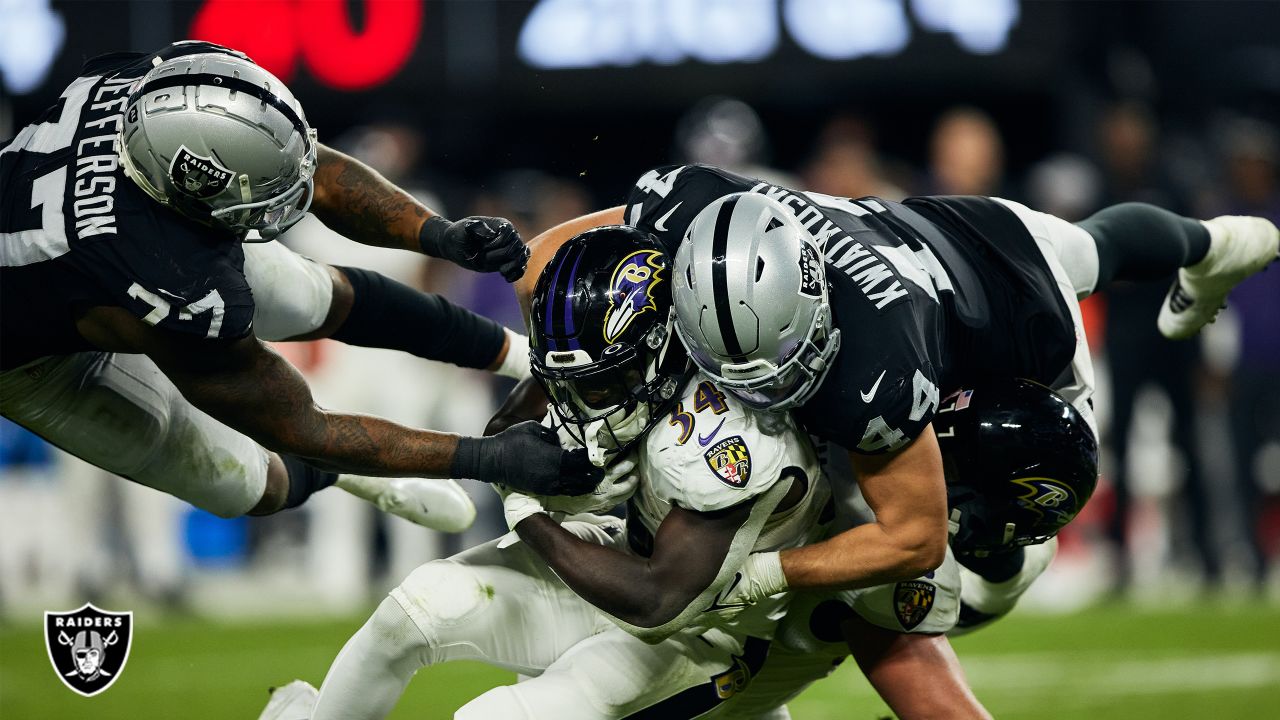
x=714, y=453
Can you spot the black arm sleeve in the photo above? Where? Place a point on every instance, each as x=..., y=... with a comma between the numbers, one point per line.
x=388, y=314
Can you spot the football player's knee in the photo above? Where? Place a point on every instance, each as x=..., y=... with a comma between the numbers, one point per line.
x=443, y=598
x=500, y=702
x=208, y=465
x=291, y=293
x=393, y=635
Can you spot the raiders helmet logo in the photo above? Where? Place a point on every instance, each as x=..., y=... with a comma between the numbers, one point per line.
x=198, y=176
x=631, y=291
x=730, y=460
x=88, y=647
x=912, y=601
x=810, y=272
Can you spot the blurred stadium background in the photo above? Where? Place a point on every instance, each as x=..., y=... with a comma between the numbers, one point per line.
x=1165, y=598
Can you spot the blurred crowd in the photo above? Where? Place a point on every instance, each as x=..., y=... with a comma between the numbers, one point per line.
x=1189, y=503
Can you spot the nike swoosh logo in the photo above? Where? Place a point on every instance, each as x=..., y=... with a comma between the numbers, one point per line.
x=717, y=605
x=661, y=225
x=868, y=394
x=703, y=441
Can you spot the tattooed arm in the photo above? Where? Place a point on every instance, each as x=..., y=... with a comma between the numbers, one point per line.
x=355, y=201
x=245, y=385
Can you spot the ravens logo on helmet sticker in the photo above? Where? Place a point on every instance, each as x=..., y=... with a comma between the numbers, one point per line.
x=631, y=291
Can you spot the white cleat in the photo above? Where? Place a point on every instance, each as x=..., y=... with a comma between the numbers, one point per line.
x=1239, y=246
x=437, y=504
x=295, y=701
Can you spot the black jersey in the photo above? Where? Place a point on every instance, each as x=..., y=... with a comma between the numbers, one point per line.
x=76, y=233
x=928, y=294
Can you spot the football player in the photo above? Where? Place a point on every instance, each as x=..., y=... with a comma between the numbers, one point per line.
x=133, y=303
x=858, y=314
x=604, y=349
x=1020, y=463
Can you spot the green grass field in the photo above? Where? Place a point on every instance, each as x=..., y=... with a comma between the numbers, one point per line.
x=1110, y=662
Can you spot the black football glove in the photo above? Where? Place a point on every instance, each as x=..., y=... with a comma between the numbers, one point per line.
x=479, y=243
x=528, y=458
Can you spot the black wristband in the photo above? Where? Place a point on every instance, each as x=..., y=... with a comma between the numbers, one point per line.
x=304, y=480
x=431, y=235
x=466, y=458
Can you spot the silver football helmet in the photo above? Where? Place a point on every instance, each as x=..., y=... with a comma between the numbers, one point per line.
x=751, y=301
x=221, y=141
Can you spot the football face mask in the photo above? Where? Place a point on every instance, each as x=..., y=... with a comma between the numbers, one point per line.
x=601, y=341
x=606, y=406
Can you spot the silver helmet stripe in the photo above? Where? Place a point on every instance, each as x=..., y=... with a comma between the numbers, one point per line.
x=720, y=280
x=221, y=141
x=762, y=327
x=234, y=84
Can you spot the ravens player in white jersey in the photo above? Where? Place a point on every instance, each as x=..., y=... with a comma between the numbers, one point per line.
x=133, y=302
x=923, y=297
x=604, y=349
x=893, y=630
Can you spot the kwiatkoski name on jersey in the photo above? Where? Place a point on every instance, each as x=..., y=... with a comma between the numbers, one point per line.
x=927, y=294
x=76, y=233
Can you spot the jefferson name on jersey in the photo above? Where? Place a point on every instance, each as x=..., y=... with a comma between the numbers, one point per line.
x=94, y=207
x=77, y=233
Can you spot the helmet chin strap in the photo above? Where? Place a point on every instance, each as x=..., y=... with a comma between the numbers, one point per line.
x=596, y=452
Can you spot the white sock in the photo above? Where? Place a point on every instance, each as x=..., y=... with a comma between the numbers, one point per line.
x=516, y=363
x=369, y=675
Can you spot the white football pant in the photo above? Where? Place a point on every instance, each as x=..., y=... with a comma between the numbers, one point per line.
x=505, y=607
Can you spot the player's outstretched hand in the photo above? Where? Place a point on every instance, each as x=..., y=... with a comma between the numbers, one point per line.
x=480, y=243
x=526, y=457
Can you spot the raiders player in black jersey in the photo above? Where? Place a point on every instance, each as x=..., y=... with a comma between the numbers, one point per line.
x=860, y=315
x=132, y=300
x=875, y=310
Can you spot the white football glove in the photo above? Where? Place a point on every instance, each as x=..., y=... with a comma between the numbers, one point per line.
x=759, y=577
x=620, y=482
x=517, y=506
